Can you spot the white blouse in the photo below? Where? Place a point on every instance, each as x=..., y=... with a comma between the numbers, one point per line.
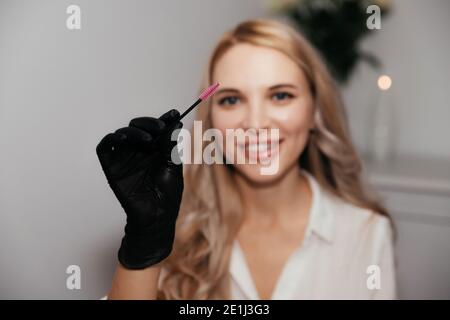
x=347, y=253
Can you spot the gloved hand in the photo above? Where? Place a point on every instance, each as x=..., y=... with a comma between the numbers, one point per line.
x=138, y=166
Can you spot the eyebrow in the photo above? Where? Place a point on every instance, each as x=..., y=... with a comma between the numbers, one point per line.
x=277, y=86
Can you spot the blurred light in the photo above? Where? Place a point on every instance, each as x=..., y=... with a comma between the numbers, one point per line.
x=384, y=82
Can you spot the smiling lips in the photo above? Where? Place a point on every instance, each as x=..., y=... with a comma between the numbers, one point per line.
x=261, y=151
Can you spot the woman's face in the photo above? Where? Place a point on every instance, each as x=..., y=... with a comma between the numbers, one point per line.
x=261, y=88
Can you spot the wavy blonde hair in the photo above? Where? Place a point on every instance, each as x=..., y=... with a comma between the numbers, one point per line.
x=210, y=214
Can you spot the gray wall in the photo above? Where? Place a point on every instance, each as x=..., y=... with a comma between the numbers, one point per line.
x=61, y=91
x=414, y=48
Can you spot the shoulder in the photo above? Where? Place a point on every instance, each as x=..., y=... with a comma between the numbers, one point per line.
x=354, y=224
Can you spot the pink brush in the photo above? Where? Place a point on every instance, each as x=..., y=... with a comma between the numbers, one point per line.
x=203, y=96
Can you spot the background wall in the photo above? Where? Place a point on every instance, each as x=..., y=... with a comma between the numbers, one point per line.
x=61, y=91
x=414, y=48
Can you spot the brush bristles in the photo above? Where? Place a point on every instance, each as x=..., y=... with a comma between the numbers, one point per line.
x=209, y=91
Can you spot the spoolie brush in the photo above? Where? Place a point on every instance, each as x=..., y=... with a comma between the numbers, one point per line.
x=203, y=96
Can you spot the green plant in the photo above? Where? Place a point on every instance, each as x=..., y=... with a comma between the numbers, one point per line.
x=335, y=28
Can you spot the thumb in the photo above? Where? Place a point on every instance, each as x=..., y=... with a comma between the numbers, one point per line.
x=169, y=142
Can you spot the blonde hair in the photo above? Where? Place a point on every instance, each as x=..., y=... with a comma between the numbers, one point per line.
x=210, y=214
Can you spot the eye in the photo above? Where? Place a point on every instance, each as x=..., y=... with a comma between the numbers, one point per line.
x=280, y=96
x=231, y=100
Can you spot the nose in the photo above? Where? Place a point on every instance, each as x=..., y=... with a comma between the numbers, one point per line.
x=256, y=117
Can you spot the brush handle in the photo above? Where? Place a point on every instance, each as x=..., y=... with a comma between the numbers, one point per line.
x=178, y=119
x=203, y=96
x=190, y=108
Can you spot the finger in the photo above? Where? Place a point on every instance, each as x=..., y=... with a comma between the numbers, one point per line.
x=174, y=132
x=136, y=136
x=108, y=143
x=151, y=125
x=170, y=117
x=169, y=141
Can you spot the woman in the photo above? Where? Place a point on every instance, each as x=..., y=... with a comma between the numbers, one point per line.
x=308, y=231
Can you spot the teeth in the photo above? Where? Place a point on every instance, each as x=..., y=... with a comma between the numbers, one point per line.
x=255, y=147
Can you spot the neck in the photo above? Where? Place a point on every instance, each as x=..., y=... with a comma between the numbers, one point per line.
x=283, y=199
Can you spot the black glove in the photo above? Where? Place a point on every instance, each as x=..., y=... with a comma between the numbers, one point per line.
x=148, y=184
